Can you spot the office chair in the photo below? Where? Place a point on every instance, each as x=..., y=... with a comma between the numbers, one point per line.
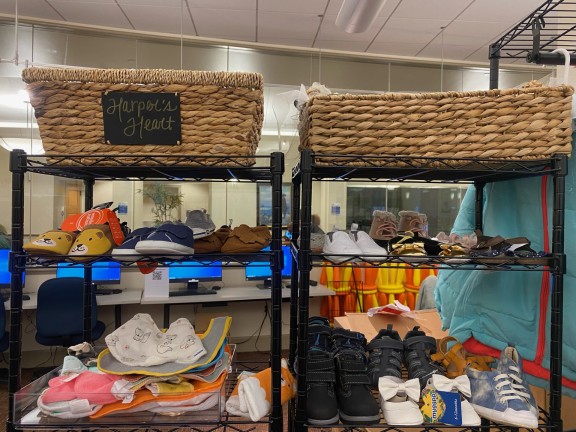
x=59, y=313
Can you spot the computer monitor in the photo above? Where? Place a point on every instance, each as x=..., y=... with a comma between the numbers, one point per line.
x=261, y=270
x=192, y=273
x=103, y=272
x=5, y=274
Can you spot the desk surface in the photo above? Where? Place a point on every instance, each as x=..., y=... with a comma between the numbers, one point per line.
x=127, y=296
x=231, y=294
x=26, y=304
x=131, y=296
x=227, y=294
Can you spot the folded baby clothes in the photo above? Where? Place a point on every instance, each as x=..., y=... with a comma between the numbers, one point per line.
x=139, y=342
x=212, y=341
x=252, y=396
x=125, y=388
x=167, y=388
x=143, y=397
x=72, y=409
x=201, y=402
x=212, y=373
x=95, y=387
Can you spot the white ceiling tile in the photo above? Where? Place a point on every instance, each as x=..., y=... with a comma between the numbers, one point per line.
x=162, y=19
x=293, y=6
x=283, y=25
x=93, y=13
x=472, y=32
x=448, y=52
x=355, y=46
x=223, y=4
x=30, y=8
x=410, y=31
x=235, y=24
x=390, y=48
x=431, y=9
x=481, y=54
x=494, y=10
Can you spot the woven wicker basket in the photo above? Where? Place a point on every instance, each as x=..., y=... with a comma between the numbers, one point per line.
x=221, y=112
x=528, y=123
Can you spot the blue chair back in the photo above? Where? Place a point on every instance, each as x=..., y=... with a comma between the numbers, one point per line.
x=60, y=312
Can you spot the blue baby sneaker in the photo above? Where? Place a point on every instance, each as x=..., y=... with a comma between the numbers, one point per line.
x=495, y=398
x=511, y=365
x=168, y=238
x=128, y=246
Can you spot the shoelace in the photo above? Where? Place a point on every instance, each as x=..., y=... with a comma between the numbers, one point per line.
x=516, y=383
x=506, y=394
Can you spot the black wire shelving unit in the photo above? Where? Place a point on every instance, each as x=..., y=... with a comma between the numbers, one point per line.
x=93, y=167
x=439, y=170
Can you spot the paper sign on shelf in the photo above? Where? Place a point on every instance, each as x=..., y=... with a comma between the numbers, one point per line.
x=156, y=283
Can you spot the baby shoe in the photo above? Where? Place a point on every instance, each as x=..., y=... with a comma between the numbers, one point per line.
x=244, y=239
x=168, y=238
x=200, y=222
x=459, y=385
x=413, y=221
x=369, y=248
x=399, y=401
x=418, y=347
x=53, y=242
x=93, y=240
x=500, y=397
x=384, y=225
x=339, y=242
x=511, y=364
x=128, y=247
x=385, y=355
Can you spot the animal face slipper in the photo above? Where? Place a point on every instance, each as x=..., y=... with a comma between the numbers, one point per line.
x=93, y=240
x=53, y=242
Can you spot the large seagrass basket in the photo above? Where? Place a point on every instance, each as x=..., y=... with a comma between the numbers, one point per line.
x=533, y=122
x=221, y=113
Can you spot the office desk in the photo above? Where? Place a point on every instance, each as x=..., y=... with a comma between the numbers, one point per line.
x=26, y=304
x=227, y=294
x=127, y=296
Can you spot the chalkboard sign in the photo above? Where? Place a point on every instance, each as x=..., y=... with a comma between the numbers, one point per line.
x=141, y=118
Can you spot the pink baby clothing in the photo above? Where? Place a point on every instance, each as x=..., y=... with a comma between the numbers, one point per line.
x=95, y=387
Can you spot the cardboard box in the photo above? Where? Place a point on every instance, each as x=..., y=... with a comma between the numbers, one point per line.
x=428, y=320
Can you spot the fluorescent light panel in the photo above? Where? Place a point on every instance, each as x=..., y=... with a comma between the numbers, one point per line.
x=356, y=16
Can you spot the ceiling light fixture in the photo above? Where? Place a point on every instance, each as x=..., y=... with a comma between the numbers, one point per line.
x=356, y=16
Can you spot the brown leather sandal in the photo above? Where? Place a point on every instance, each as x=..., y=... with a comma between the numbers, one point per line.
x=456, y=359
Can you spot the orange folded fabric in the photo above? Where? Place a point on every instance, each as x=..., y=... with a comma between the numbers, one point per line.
x=144, y=395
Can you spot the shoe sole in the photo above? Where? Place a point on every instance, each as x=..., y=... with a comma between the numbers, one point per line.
x=153, y=247
x=318, y=422
x=503, y=418
x=119, y=254
x=201, y=233
x=359, y=419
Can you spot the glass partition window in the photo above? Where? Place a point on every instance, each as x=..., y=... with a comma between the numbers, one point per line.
x=440, y=203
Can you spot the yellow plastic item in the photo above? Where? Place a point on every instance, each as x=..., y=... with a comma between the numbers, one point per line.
x=390, y=284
